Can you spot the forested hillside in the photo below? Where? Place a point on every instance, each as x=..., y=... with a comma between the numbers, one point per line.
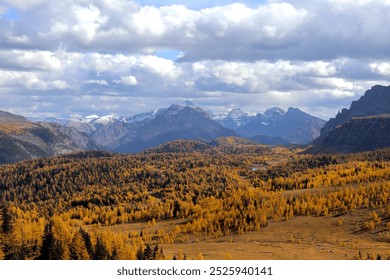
x=96, y=205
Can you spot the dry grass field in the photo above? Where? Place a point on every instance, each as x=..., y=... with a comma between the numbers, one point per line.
x=302, y=238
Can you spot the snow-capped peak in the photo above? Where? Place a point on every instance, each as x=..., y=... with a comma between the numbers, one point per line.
x=105, y=119
x=91, y=118
x=217, y=117
x=99, y=120
x=236, y=113
x=140, y=117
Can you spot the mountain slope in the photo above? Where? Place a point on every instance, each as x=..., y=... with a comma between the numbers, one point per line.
x=175, y=123
x=269, y=140
x=362, y=127
x=114, y=134
x=234, y=119
x=293, y=126
x=375, y=101
x=21, y=139
x=181, y=146
x=357, y=135
x=6, y=117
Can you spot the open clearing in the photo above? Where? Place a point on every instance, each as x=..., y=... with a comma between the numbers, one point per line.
x=302, y=238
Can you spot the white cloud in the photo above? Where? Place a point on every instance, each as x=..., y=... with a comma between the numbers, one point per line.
x=163, y=67
x=23, y=4
x=35, y=60
x=30, y=81
x=382, y=68
x=83, y=24
x=295, y=29
x=19, y=40
x=275, y=83
x=128, y=80
x=58, y=84
x=279, y=53
x=97, y=82
x=331, y=82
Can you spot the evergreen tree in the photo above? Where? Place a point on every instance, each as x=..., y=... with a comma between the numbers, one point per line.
x=140, y=254
x=78, y=250
x=115, y=254
x=148, y=253
x=87, y=240
x=158, y=253
x=2, y=255
x=7, y=227
x=50, y=249
x=101, y=252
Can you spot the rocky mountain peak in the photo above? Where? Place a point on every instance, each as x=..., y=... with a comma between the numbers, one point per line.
x=274, y=111
x=236, y=113
x=376, y=101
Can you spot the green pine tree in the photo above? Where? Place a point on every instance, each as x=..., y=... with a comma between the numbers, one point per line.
x=7, y=227
x=101, y=252
x=50, y=249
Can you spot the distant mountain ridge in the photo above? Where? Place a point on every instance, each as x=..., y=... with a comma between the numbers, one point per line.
x=275, y=126
x=375, y=101
x=175, y=123
x=234, y=119
x=6, y=117
x=364, y=126
x=293, y=126
x=21, y=139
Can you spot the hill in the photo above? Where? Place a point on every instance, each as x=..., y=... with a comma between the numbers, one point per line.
x=181, y=146
x=269, y=140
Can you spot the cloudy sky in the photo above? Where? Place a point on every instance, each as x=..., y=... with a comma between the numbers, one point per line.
x=59, y=58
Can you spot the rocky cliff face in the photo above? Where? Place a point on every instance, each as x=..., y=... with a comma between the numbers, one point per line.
x=375, y=101
x=357, y=135
x=362, y=127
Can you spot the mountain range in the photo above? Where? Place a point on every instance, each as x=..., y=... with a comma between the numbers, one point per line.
x=187, y=121
x=132, y=134
x=364, y=126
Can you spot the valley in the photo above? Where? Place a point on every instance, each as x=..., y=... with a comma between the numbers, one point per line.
x=198, y=205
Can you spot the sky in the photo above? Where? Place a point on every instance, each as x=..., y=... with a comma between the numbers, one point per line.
x=83, y=57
